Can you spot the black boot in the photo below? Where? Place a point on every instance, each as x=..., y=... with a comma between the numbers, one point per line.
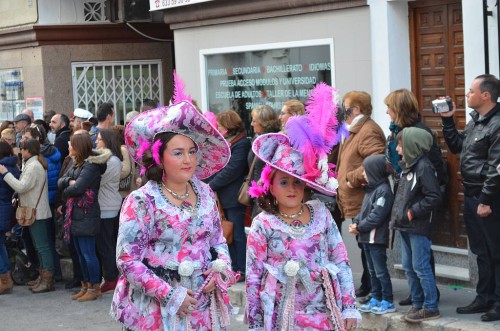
x=72, y=284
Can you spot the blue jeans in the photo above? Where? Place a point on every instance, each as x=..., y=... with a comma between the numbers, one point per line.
x=416, y=255
x=85, y=247
x=376, y=258
x=238, y=249
x=4, y=256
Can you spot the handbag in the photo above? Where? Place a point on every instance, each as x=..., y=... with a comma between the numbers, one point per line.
x=243, y=196
x=127, y=181
x=227, y=226
x=26, y=215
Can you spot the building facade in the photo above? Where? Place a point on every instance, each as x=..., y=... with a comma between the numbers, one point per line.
x=59, y=55
x=234, y=54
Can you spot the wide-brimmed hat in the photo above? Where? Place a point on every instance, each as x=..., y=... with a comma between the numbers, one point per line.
x=275, y=150
x=182, y=118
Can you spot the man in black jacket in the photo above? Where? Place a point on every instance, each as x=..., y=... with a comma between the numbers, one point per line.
x=479, y=148
x=59, y=124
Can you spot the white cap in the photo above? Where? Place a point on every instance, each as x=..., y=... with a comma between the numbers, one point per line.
x=82, y=113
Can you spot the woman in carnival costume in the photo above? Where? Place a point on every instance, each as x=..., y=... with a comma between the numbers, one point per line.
x=170, y=227
x=298, y=273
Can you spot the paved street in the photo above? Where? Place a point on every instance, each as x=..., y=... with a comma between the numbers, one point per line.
x=55, y=311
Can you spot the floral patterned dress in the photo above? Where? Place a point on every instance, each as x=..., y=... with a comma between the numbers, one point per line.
x=316, y=293
x=155, y=233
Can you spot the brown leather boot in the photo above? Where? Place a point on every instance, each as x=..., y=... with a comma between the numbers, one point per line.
x=46, y=284
x=6, y=283
x=93, y=292
x=34, y=283
x=82, y=292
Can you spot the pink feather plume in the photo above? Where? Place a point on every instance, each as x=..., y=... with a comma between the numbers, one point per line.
x=144, y=145
x=256, y=190
x=265, y=176
x=156, y=151
x=179, y=90
x=211, y=118
x=321, y=109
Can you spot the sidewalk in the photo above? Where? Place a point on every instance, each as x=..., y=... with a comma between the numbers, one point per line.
x=449, y=321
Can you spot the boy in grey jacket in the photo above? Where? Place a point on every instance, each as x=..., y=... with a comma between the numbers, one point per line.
x=418, y=194
x=371, y=226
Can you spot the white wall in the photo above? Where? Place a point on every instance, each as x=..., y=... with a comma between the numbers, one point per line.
x=349, y=29
x=390, y=42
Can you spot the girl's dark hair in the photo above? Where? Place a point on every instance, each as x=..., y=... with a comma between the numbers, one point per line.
x=43, y=124
x=267, y=201
x=37, y=132
x=33, y=147
x=82, y=145
x=5, y=149
x=154, y=172
x=110, y=139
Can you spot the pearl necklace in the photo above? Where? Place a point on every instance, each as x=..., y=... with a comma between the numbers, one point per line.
x=297, y=228
x=175, y=195
x=292, y=215
x=185, y=205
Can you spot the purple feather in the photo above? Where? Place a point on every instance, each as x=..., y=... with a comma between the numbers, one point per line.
x=301, y=136
x=321, y=109
x=179, y=93
x=342, y=132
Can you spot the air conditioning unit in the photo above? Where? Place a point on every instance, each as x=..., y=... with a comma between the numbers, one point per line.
x=130, y=11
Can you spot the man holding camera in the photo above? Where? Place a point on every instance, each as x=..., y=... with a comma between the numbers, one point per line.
x=479, y=148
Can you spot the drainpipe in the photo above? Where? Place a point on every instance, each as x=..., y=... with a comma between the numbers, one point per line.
x=486, y=44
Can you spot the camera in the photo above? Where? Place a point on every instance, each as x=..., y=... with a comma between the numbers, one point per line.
x=442, y=105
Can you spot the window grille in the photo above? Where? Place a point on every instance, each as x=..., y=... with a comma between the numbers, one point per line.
x=125, y=84
x=94, y=11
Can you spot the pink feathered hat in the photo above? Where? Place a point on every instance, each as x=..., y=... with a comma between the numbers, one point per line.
x=182, y=118
x=276, y=151
x=303, y=151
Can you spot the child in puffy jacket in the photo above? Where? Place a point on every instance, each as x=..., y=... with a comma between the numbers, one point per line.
x=418, y=194
x=371, y=226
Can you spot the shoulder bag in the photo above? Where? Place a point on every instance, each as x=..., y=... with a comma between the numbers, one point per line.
x=26, y=215
x=227, y=225
x=243, y=196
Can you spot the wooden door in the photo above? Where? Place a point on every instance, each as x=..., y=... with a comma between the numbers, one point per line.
x=436, y=44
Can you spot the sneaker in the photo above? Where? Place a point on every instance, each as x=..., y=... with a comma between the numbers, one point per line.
x=108, y=286
x=383, y=308
x=367, y=307
x=422, y=315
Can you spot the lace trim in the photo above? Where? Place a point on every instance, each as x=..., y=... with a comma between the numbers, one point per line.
x=175, y=299
x=352, y=313
x=315, y=226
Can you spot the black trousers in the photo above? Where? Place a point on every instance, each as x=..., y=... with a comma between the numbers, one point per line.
x=106, y=247
x=484, y=241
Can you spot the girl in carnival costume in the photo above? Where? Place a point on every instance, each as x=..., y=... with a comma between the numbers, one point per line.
x=298, y=273
x=170, y=227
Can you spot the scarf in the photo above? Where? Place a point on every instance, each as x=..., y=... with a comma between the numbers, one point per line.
x=390, y=149
x=84, y=202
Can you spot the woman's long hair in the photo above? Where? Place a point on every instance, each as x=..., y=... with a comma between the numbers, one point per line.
x=5, y=149
x=405, y=105
x=110, y=139
x=82, y=147
x=33, y=147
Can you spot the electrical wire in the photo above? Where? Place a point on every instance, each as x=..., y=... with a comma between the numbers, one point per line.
x=145, y=35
